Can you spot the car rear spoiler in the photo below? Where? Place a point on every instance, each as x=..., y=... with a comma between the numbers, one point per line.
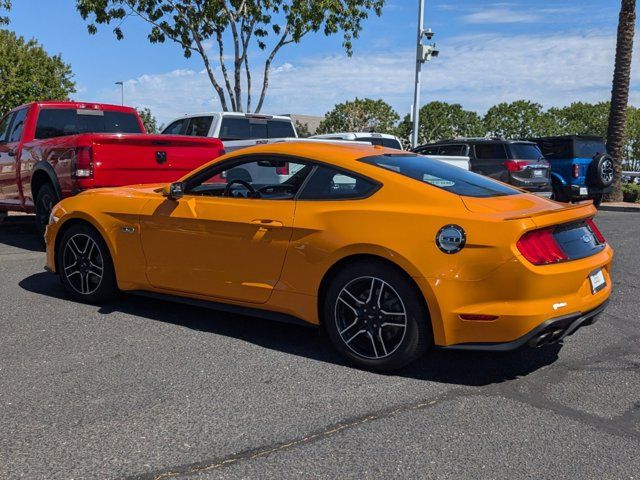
x=587, y=206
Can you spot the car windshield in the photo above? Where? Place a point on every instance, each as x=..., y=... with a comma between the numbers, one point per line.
x=525, y=151
x=588, y=148
x=441, y=175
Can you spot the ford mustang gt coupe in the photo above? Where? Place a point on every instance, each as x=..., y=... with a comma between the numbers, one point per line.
x=391, y=252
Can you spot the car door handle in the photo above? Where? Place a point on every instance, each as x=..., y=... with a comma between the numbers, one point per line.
x=267, y=223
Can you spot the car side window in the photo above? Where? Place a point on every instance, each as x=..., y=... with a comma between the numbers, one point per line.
x=453, y=150
x=428, y=150
x=327, y=183
x=4, y=126
x=391, y=143
x=491, y=151
x=17, y=126
x=199, y=126
x=268, y=178
x=175, y=128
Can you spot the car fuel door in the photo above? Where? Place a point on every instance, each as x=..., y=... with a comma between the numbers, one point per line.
x=220, y=247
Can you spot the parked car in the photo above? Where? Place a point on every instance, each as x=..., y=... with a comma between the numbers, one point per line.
x=235, y=130
x=384, y=139
x=51, y=150
x=390, y=252
x=580, y=167
x=518, y=163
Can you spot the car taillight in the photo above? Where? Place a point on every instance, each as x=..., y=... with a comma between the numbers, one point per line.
x=541, y=248
x=516, y=165
x=596, y=231
x=283, y=170
x=84, y=162
x=576, y=171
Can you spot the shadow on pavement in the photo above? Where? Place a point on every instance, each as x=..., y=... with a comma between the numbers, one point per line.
x=20, y=231
x=461, y=368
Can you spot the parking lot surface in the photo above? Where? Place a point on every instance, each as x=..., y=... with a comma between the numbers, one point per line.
x=150, y=389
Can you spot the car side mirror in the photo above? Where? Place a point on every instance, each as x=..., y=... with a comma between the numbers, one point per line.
x=174, y=191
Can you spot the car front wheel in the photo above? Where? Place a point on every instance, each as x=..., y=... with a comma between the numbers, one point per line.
x=376, y=317
x=85, y=265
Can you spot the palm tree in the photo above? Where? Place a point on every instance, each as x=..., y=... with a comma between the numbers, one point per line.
x=620, y=92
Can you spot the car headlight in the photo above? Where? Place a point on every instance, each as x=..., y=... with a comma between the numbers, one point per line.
x=53, y=219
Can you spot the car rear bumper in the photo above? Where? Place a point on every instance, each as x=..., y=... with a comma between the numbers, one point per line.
x=578, y=192
x=551, y=331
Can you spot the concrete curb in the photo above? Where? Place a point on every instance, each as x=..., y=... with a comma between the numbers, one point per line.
x=620, y=208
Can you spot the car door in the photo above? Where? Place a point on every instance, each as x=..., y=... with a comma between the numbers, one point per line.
x=218, y=240
x=7, y=161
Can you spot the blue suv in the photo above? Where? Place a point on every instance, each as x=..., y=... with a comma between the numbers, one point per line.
x=580, y=167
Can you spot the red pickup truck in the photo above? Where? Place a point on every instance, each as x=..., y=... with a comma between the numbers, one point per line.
x=51, y=150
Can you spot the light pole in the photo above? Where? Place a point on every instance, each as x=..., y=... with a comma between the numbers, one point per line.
x=121, y=91
x=424, y=54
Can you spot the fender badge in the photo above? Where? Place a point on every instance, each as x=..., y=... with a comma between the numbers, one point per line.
x=451, y=239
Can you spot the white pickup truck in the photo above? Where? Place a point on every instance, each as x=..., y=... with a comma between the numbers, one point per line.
x=236, y=130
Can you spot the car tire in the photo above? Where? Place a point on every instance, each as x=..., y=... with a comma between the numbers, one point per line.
x=45, y=200
x=558, y=193
x=597, y=200
x=601, y=171
x=376, y=317
x=85, y=265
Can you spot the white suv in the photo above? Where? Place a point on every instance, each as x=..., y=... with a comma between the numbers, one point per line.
x=236, y=130
x=383, y=139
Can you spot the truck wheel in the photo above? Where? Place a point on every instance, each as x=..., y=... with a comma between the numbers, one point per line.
x=601, y=171
x=85, y=265
x=559, y=195
x=3, y=215
x=597, y=200
x=45, y=200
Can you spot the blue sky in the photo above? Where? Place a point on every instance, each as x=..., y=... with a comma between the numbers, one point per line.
x=548, y=51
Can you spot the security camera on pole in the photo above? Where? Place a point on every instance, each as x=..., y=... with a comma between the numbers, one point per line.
x=425, y=53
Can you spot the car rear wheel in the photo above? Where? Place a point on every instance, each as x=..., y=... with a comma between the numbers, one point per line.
x=558, y=193
x=85, y=265
x=376, y=317
x=45, y=200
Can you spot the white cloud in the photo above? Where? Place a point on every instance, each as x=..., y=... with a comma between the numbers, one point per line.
x=500, y=15
x=476, y=71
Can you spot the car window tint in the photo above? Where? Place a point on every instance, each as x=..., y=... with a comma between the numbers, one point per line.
x=433, y=150
x=588, y=148
x=240, y=128
x=330, y=184
x=441, y=175
x=199, y=126
x=17, y=125
x=556, y=149
x=490, y=151
x=175, y=128
x=66, y=121
x=452, y=150
x=273, y=177
x=525, y=151
x=280, y=129
x=4, y=126
x=391, y=143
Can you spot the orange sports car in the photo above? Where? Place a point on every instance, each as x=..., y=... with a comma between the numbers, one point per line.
x=391, y=252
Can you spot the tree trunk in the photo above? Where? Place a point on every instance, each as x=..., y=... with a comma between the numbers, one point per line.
x=620, y=93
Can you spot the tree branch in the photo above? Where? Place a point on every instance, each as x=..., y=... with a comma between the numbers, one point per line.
x=223, y=66
x=267, y=66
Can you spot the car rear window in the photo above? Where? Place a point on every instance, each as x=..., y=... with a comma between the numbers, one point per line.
x=525, y=151
x=588, y=148
x=239, y=128
x=441, y=175
x=62, y=122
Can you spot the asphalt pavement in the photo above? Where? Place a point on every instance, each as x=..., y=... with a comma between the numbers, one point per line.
x=144, y=388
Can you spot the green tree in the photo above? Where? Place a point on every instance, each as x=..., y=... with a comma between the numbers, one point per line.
x=360, y=115
x=269, y=24
x=28, y=73
x=519, y=119
x=5, y=6
x=632, y=142
x=302, y=129
x=149, y=121
x=620, y=92
x=581, y=118
x=441, y=121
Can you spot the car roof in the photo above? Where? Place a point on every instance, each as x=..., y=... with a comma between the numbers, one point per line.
x=466, y=141
x=234, y=114
x=352, y=135
x=79, y=106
